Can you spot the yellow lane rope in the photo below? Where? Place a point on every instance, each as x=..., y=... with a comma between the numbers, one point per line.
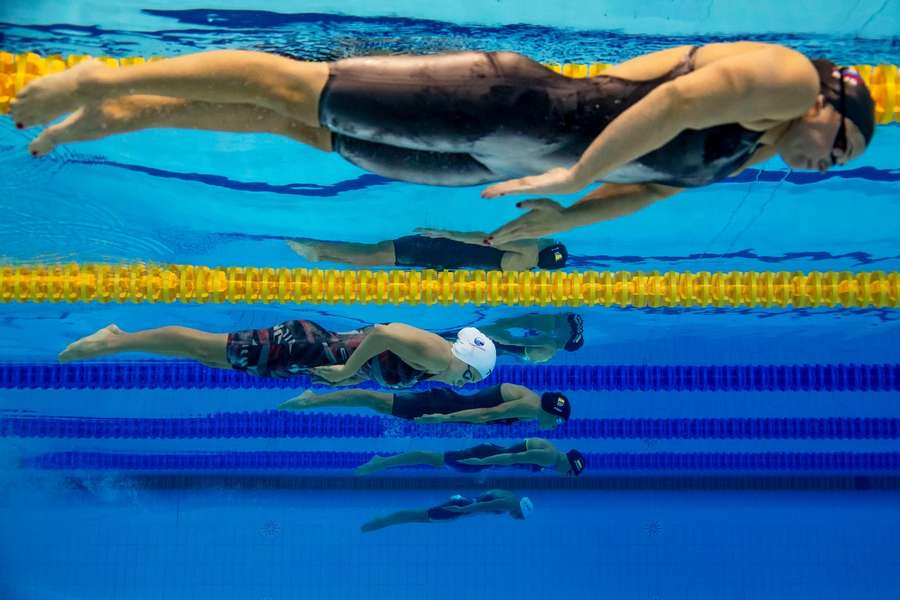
x=187, y=283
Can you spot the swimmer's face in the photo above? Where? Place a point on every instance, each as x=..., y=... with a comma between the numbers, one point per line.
x=548, y=421
x=563, y=467
x=460, y=373
x=815, y=140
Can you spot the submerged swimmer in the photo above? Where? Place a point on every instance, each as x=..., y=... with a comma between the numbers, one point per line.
x=543, y=337
x=439, y=249
x=497, y=502
x=393, y=355
x=680, y=117
x=534, y=454
x=502, y=404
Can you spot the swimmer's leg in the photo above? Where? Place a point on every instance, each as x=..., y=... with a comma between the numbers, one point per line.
x=289, y=87
x=397, y=518
x=406, y=459
x=208, y=348
x=350, y=253
x=134, y=113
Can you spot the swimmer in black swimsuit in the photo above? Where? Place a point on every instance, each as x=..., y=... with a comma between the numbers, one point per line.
x=496, y=405
x=393, y=355
x=544, y=335
x=495, y=502
x=533, y=454
x=676, y=118
x=438, y=249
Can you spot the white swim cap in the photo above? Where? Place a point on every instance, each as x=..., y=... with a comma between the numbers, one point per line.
x=526, y=506
x=476, y=350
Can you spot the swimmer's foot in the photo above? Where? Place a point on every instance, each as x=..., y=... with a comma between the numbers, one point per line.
x=373, y=466
x=90, y=346
x=89, y=122
x=50, y=96
x=305, y=248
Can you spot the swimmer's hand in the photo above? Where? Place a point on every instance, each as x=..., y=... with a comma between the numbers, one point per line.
x=332, y=373
x=300, y=402
x=433, y=233
x=545, y=217
x=456, y=509
x=433, y=418
x=554, y=181
x=473, y=461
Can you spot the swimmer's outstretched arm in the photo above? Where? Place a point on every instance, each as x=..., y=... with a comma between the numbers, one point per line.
x=499, y=330
x=772, y=84
x=478, y=238
x=416, y=347
x=541, y=458
x=134, y=113
x=378, y=401
x=397, y=518
x=498, y=505
x=607, y=202
x=507, y=410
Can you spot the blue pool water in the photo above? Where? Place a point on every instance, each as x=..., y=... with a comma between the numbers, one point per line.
x=169, y=196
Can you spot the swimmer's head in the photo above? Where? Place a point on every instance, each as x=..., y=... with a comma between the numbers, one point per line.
x=526, y=507
x=476, y=353
x=572, y=463
x=553, y=257
x=838, y=127
x=555, y=409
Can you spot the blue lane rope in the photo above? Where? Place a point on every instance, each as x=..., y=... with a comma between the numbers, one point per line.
x=852, y=462
x=179, y=374
x=285, y=424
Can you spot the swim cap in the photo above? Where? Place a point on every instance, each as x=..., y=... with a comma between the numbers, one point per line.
x=556, y=404
x=859, y=106
x=576, y=339
x=476, y=350
x=576, y=461
x=526, y=506
x=553, y=257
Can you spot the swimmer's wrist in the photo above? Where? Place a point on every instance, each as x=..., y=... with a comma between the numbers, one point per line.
x=574, y=216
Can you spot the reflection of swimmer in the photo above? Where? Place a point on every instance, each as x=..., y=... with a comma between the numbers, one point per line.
x=439, y=249
x=394, y=355
x=496, y=502
x=500, y=404
x=680, y=117
x=534, y=454
x=544, y=335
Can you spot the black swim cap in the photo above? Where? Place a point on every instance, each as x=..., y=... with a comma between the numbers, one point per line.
x=859, y=106
x=556, y=404
x=553, y=257
x=577, y=461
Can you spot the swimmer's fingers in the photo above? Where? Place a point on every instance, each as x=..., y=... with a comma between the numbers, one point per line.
x=554, y=181
x=543, y=219
x=430, y=418
x=331, y=373
x=472, y=461
x=297, y=402
x=455, y=509
x=430, y=232
x=541, y=204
